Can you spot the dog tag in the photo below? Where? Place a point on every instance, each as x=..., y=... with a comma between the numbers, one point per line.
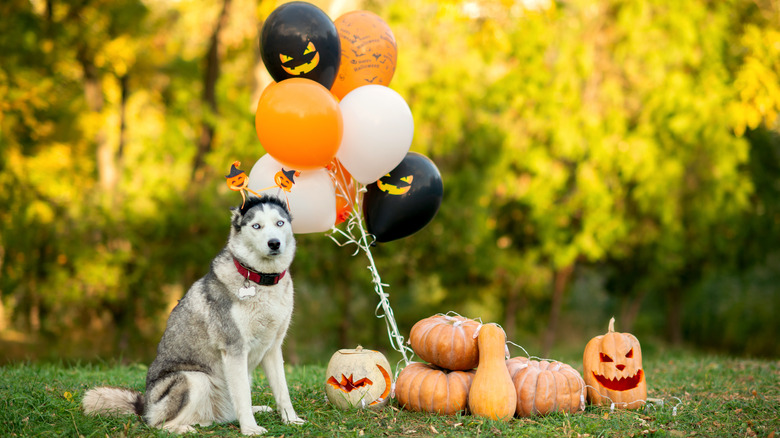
x=246, y=291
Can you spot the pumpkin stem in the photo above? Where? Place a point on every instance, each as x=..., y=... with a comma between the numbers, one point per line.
x=612, y=325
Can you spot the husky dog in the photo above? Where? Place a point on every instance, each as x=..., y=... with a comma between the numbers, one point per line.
x=229, y=322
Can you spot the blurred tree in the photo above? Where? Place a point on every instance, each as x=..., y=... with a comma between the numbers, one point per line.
x=209, y=96
x=636, y=140
x=597, y=135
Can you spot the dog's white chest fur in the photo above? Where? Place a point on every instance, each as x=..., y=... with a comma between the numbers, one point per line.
x=264, y=317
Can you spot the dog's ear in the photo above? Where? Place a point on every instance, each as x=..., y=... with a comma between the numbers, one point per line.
x=235, y=218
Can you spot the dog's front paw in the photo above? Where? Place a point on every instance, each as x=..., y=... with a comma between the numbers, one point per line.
x=253, y=430
x=289, y=417
x=179, y=428
x=296, y=420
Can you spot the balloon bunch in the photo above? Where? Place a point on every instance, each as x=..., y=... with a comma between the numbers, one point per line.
x=337, y=137
x=331, y=126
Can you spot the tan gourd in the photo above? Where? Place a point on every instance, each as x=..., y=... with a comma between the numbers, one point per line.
x=492, y=393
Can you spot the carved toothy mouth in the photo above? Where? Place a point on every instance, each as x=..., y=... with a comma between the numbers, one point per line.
x=621, y=384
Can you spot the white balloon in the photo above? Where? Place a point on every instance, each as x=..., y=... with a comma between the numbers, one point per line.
x=312, y=197
x=378, y=131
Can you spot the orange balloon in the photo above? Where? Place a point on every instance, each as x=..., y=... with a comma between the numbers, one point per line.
x=368, y=52
x=298, y=122
x=345, y=190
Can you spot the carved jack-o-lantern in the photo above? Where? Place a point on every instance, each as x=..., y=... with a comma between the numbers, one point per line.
x=612, y=367
x=358, y=378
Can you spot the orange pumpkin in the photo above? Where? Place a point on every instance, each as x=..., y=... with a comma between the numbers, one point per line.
x=612, y=366
x=446, y=341
x=427, y=388
x=544, y=387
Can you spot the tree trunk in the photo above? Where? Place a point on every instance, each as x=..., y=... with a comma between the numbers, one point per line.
x=262, y=79
x=560, y=284
x=93, y=93
x=673, y=316
x=630, y=311
x=345, y=325
x=123, y=80
x=513, y=304
x=3, y=322
x=209, y=96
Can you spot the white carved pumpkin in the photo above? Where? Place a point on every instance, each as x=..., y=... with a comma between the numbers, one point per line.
x=358, y=378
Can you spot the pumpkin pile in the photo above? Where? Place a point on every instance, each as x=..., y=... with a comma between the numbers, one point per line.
x=441, y=386
x=497, y=388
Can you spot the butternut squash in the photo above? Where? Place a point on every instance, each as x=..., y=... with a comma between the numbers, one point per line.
x=492, y=392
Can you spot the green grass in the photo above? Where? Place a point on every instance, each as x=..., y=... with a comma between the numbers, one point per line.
x=713, y=396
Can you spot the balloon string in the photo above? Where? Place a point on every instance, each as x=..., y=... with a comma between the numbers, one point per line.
x=364, y=241
x=341, y=184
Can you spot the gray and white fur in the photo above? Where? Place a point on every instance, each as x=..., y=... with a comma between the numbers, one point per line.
x=223, y=328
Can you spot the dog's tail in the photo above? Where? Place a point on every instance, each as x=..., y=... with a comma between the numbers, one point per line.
x=107, y=400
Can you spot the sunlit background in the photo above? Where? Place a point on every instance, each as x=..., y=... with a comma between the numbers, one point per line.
x=599, y=158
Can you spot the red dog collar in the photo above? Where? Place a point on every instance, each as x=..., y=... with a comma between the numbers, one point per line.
x=258, y=277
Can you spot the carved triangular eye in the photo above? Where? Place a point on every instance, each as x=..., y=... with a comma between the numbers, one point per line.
x=605, y=358
x=630, y=353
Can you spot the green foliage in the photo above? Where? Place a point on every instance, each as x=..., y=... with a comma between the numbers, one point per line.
x=734, y=311
x=628, y=140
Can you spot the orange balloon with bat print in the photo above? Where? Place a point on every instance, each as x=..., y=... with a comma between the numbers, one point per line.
x=368, y=52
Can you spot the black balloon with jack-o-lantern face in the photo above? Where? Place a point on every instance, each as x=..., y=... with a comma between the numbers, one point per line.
x=299, y=40
x=405, y=200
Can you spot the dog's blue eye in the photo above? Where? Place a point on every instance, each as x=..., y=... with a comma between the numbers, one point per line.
x=256, y=226
x=280, y=223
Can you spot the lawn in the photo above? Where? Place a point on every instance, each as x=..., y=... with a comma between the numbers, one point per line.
x=701, y=396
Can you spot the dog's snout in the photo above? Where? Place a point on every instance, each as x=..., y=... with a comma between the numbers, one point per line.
x=274, y=244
